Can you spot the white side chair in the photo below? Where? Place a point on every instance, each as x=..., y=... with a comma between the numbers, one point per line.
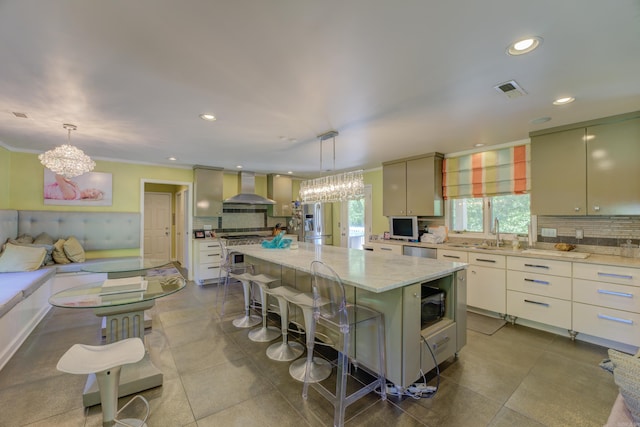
x=105, y=361
x=331, y=310
x=247, y=320
x=264, y=333
x=284, y=351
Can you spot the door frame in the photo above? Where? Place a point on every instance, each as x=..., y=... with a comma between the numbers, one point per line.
x=189, y=215
x=180, y=196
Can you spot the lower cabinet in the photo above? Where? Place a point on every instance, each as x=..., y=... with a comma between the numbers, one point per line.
x=486, y=282
x=606, y=302
x=206, y=261
x=539, y=290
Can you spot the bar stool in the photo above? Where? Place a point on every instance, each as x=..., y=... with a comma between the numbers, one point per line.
x=265, y=333
x=227, y=269
x=330, y=309
x=284, y=351
x=105, y=361
x=315, y=369
x=247, y=320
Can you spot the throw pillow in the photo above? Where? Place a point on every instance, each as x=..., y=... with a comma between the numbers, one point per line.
x=74, y=251
x=58, y=253
x=626, y=374
x=48, y=258
x=21, y=258
x=43, y=239
x=24, y=238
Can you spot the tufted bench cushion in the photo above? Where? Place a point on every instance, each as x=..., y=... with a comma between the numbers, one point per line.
x=14, y=287
x=76, y=267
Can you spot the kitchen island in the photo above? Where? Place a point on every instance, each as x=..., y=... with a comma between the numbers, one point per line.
x=391, y=284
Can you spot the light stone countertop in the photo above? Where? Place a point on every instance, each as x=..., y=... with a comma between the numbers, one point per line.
x=593, y=258
x=373, y=271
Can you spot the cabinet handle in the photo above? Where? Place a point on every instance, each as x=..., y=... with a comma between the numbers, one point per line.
x=618, y=294
x=212, y=254
x=544, y=304
x=486, y=260
x=541, y=282
x=619, y=276
x=615, y=319
x=211, y=268
x=385, y=249
x=451, y=256
x=212, y=246
x=546, y=267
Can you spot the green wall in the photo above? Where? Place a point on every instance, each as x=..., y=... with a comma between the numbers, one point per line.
x=5, y=166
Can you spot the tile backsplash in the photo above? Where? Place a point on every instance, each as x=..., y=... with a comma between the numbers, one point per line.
x=601, y=234
x=240, y=219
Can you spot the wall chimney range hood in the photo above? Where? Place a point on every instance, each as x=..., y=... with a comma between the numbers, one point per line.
x=247, y=191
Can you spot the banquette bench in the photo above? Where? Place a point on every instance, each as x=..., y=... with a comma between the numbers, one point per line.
x=24, y=295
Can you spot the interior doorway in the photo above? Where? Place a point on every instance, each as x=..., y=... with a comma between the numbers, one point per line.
x=355, y=221
x=157, y=225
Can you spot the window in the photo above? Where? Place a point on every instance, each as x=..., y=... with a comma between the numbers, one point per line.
x=477, y=215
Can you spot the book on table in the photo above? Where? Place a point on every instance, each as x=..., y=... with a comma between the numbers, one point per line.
x=123, y=285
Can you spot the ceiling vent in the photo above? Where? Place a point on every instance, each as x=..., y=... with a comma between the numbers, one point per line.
x=20, y=115
x=510, y=89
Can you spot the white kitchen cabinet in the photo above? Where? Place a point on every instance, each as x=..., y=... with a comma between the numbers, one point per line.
x=486, y=282
x=387, y=247
x=539, y=290
x=206, y=261
x=452, y=255
x=413, y=186
x=597, y=161
x=605, y=302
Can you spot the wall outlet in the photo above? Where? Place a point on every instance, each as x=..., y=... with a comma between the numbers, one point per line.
x=549, y=232
x=579, y=234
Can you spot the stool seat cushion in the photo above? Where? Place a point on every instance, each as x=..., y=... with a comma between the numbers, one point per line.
x=263, y=278
x=89, y=359
x=283, y=291
x=242, y=277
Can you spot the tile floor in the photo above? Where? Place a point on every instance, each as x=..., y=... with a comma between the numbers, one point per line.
x=215, y=376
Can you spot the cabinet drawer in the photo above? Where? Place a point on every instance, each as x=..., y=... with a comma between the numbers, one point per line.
x=489, y=260
x=454, y=256
x=209, y=257
x=535, y=265
x=607, y=323
x=607, y=273
x=611, y=295
x=550, y=311
x=442, y=344
x=393, y=249
x=539, y=284
x=204, y=246
x=208, y=271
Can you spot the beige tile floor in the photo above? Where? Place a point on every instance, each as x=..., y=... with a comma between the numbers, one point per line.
x=215, y=376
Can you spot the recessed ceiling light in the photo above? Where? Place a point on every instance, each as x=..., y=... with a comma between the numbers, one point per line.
x=173, y=159
x=239, y=167
x=540, y=120
x=479, y=144
x=564, y=100
x=208, y=117
x=523, y=46
x=290, y=172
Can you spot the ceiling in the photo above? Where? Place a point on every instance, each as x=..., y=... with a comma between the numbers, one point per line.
x=394, y=78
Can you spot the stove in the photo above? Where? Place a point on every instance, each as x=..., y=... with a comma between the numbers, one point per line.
x=244, y=239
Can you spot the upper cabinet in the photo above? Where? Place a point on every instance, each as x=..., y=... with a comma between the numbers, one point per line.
x=207, y=189
x=413, y=186
x=280, y=188
x=590, y=169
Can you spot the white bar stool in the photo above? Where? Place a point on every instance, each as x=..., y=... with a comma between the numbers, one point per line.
x=319, y=369
x=284, y=351
x=265, y=333
x=248, y=320
x=105, y=361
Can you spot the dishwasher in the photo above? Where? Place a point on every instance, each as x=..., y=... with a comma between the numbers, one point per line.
x=418, y=251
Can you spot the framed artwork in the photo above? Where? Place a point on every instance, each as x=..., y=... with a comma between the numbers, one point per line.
x=198, y=234
x=90, y=189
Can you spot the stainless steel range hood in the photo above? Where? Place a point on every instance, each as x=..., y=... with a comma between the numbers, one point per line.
x=247, y=191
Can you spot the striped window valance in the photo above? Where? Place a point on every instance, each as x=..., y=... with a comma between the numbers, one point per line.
x=489, y=173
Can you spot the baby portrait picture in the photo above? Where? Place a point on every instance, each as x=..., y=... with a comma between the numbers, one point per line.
x=90, y=189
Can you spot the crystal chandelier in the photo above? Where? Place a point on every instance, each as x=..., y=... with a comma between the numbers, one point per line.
x=67, y=160
x=334, y=188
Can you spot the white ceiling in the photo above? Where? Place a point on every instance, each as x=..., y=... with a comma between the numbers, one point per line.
x=394, y=78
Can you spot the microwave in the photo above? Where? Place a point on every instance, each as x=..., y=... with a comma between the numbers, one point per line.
x=432, y=307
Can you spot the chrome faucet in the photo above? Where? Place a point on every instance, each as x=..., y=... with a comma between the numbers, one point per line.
x=496, y=228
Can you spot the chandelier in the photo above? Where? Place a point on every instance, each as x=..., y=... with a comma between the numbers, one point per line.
x=334, y=188
x=67, y=160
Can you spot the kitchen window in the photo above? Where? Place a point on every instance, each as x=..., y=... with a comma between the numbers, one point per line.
x=477, y=215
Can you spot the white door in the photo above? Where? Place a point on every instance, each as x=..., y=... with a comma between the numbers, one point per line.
x=157, y=226
x=355, y=221
x=181, y=233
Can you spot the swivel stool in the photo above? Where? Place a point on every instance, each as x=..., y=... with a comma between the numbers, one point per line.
x=264, y=333
x=284, y=351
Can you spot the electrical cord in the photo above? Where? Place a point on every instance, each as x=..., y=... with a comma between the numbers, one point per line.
x=418, y=390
